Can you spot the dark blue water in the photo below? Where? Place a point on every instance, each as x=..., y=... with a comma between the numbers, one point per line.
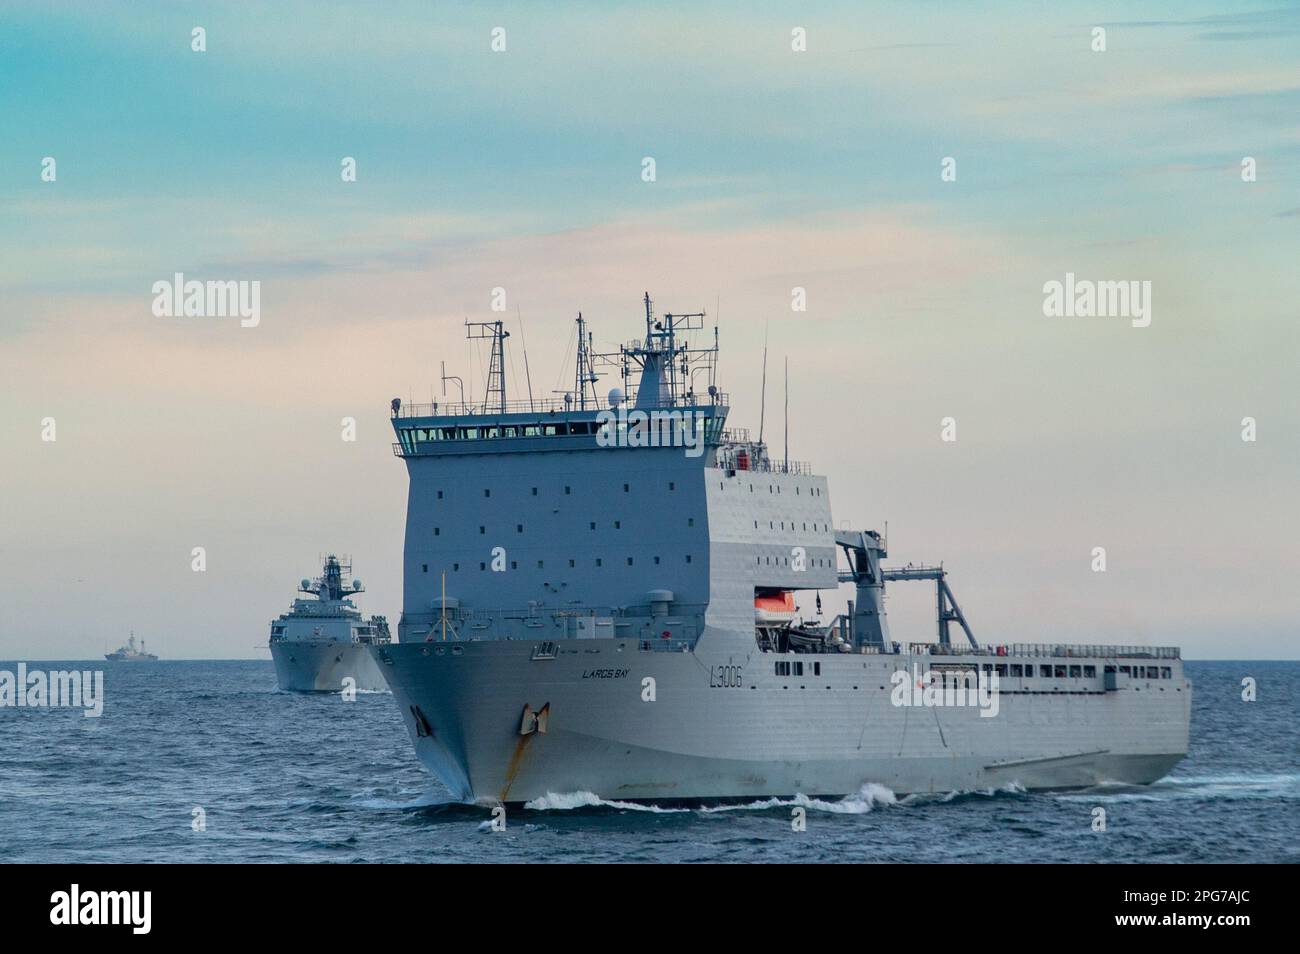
x=287, y=777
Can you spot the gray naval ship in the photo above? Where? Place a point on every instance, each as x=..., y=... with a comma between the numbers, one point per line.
x=606, y=596
x=129, y=653
x=323, y=640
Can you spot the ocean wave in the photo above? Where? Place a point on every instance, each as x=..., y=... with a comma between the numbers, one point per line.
x=1226, y=787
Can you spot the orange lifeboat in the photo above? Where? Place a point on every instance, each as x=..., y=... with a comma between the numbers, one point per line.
x=774, y=607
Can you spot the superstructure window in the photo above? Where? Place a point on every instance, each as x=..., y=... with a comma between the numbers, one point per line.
x=1076, y=672
x=1045, y=672
x=1166, y=672
x=1016, y=671
x=1089, y=672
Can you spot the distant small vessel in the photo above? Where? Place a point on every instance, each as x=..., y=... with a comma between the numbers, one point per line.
x=321, y=642
x=129, y=653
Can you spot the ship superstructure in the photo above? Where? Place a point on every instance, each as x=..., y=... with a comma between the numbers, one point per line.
x=607, y=595
x=321, y=642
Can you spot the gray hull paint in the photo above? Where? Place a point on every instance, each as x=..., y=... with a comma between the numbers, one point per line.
x=762, y=735
x=305, y=666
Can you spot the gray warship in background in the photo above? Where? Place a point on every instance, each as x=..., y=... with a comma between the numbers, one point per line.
x=604, y=596
x=323, y=640
x=129, y=653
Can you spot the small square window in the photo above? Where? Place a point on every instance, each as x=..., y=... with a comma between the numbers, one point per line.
x=519, y=528
x=618, y=524
x=455, y=567
x=671, y=485
x=599, y=562
x=539, y=564
x=593, y=524
x=626, y=488
x=629, y=561
x=437, y=531
x=487, y=493
x=656, y=561
x=482, y=566
x=572, y=564
x=688, y=558
x=424, y=568
x=514, y=564
x=568, y=489
x=440, y=495
x=534, y=491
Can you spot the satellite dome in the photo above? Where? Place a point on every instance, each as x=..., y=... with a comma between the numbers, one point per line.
x=304, y=584
x=356, y=584
x=615, y=397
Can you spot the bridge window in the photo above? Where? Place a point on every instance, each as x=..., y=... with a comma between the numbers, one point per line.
x=1060, y=672
x=1076, y=672
x=1045, y=672
x=1166, y=672
x=1016, y=671
x=1089, y=672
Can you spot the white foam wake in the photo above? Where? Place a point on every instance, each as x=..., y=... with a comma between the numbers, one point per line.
x=568, y=801
x=866, y=799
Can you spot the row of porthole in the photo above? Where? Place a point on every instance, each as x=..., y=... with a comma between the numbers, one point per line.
x=514, y=564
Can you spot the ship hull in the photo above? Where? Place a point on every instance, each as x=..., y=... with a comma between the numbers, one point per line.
x=724, y=727
x=323, y=665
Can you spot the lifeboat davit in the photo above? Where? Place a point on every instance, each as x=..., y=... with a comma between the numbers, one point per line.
x=774, y=607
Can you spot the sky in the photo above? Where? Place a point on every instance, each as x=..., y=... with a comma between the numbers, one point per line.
x=775, y=169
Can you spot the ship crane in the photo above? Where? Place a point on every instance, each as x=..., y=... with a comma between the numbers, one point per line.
x=865, y=550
